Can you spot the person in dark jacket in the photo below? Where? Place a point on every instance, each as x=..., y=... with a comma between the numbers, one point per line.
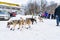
x=57, y=15
x=46, y=14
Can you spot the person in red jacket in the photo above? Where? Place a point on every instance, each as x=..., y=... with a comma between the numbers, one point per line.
x=14, y=14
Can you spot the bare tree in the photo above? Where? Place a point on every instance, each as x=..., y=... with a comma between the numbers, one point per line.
x=43, y=5
x=33, y=8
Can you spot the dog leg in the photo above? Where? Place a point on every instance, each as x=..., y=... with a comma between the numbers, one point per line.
x=14, y=26
x=29, y=26
x=22, y=26
x=41, y=20
x=11, y=29
x=8, y=26
x=32, y=22
x=19, y=27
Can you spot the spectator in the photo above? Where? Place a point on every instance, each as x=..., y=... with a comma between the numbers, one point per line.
x=14, y=14
x=42, y=15
x=46, y=14
x=57, y=15
x=51, y=15
x=10, y=14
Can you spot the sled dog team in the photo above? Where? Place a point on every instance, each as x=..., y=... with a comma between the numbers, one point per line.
x=22, y=22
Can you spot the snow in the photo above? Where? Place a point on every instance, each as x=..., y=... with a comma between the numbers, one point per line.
x=46, y=30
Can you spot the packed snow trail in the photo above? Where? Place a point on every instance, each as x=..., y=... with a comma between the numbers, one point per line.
x=46, y=30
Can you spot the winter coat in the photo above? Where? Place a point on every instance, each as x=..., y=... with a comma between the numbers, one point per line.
x=57, y=11
x=46, y=14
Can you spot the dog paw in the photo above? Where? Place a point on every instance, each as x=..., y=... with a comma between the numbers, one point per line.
x=27, y=28
x=22, y=26
x=8, y=26
x=18, y=28
x=11, y=29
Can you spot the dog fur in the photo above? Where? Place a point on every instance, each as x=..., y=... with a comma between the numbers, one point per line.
x=20, y=22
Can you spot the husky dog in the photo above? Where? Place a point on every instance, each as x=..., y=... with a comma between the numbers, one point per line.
x=21, y=22
x=28, y=22
x=32, y=20
x=40, y=18
x=13, y=22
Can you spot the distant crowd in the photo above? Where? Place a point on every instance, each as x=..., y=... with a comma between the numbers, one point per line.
x=47, y=15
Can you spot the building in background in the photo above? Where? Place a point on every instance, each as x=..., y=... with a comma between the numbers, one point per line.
x=9, y=6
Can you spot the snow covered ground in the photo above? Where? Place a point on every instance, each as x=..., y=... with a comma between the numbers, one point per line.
x=46, y=30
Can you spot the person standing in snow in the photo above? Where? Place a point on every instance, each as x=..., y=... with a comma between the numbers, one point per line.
x=46, y=14
x=57, y=15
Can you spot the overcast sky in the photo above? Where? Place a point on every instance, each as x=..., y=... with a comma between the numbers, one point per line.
x=24, y=1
